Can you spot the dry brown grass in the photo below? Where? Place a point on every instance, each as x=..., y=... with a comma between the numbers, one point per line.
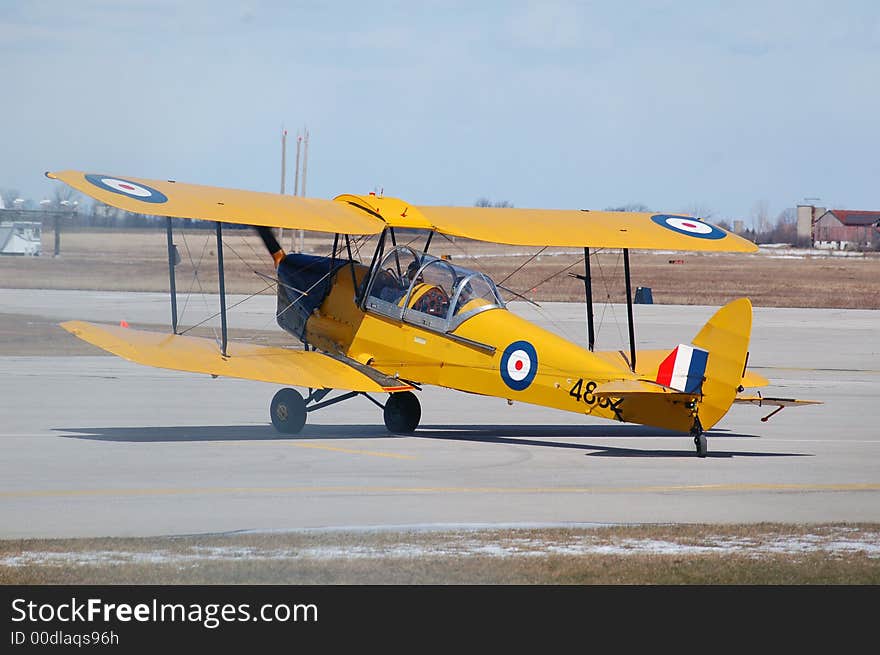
x=531, y=556
x=136, y=261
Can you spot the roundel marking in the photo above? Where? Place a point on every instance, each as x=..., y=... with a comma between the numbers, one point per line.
x=519, y=365
x=691, y=227
x=127, y=188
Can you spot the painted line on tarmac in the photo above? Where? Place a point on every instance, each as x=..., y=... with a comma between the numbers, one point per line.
x=351, y=451
x=195, y=491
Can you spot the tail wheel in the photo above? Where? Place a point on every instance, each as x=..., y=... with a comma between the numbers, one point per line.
x=402, y=412
x=288, y=411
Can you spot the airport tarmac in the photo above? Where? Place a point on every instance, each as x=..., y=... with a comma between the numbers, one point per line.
x=97, y=446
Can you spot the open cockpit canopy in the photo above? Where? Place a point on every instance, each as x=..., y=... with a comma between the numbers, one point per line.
x=416, y=287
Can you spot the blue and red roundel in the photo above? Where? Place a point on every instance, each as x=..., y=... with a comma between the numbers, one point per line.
x=127, y=188
x=519, y=365
x=692, y=227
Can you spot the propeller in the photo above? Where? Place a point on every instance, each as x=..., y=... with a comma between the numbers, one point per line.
x=271, y=243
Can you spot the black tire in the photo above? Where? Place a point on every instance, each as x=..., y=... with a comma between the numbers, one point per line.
x=402, y=412
x=288, y=411
x=702, y=445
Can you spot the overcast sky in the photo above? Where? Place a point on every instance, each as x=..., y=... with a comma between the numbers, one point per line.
x=716, y=105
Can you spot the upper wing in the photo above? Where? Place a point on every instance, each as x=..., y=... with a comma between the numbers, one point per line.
x=352, y=214
x=169, y=198
x=251, y=362
x=559, y=227
x=585, y=229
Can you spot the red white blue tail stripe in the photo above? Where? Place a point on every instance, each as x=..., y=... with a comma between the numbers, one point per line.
x=683, y=369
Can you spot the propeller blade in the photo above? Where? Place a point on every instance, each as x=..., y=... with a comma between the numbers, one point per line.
x=271, y=243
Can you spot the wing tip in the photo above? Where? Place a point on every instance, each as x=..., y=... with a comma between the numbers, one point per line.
x=70, y=326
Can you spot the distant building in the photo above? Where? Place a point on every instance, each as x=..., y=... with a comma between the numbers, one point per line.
x=20, y=237
x=807, y=215
x=844, y=229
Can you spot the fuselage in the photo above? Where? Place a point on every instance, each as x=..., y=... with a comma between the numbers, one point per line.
x=492, y=352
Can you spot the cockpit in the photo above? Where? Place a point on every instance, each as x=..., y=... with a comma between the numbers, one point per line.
x=418, y=288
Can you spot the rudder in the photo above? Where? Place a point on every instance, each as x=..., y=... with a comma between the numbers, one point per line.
x=726, y=337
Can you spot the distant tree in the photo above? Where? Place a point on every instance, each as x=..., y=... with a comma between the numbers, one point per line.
x=630, y=207
x=63, y=196
x=781, y=230
x=699, y=210
x=9, y=195
x=486, y=202
x=761, y=217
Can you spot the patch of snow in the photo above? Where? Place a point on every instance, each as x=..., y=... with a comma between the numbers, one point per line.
x=833, y=542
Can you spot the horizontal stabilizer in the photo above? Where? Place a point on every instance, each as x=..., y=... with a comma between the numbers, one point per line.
x=779, y=403
x=752, y=380
x=648, y=365
x=624, y=388
x=760, y=401
x=298, y=368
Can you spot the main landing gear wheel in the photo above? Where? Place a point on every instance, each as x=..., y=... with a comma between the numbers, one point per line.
x=288, y=411
x=402, y=412
x=702, y=444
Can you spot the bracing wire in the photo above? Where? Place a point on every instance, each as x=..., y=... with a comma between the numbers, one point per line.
x=195, y=280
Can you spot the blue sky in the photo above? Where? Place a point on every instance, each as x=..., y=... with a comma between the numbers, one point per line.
x=713, y=105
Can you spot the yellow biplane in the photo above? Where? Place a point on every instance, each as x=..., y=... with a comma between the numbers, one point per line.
x=410, y=319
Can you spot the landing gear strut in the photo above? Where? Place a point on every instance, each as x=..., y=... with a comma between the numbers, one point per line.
x=700, y=441
x=289, y=409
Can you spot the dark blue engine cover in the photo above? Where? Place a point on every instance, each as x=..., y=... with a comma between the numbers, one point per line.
x=303, y=273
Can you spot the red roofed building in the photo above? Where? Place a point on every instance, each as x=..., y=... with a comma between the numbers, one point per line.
x=846, y=229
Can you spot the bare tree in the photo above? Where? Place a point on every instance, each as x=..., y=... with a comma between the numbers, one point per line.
x=63, y=196
x=486, y=202
x=9, y=196
x=761, y=217
x=629, y=207
x=699, y=210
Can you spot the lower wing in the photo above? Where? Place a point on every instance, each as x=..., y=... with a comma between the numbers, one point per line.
x=248, y=361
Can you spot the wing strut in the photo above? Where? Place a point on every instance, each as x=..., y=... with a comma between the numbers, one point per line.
x=588, y=292
x=629, y=310
x=172, y=262
x=222, y=288
x=371, y=273
x=354, y=282
x=587, y=279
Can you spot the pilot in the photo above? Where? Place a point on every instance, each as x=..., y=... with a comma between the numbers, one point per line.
x=389, y=287
x=386, y=285
x=466, y=293
x=411, y=271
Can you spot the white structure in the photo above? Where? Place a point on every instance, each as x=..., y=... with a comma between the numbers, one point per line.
x=20, y=238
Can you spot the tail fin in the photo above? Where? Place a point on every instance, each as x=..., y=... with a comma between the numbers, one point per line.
x=683, y=369
x=726, y=338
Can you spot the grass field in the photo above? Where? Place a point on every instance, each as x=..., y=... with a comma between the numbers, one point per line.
x=137, y=261
x=639, y=554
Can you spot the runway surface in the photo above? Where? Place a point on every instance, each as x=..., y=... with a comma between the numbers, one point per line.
x=97, y=446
